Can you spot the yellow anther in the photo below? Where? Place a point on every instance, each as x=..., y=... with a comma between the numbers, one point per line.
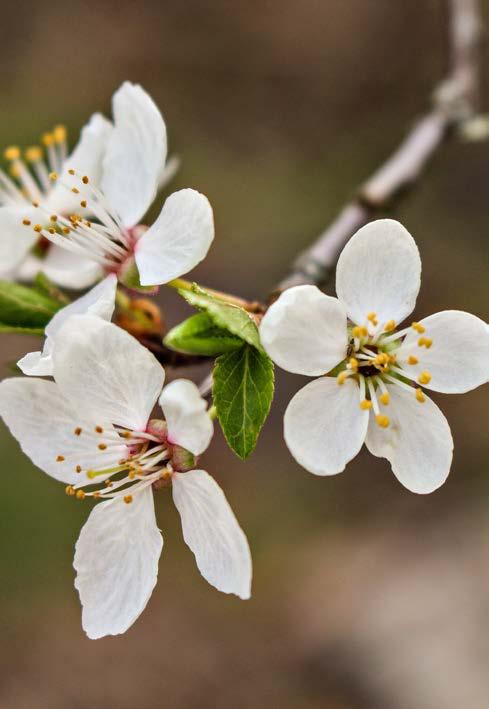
x=47, y=139
x=412, y=359
x=53, y=176
x=65, y=230
x=359, y=331
x=390, y=325
x=53, y=218
x=33, y=154
x=96, y=495
x=80, y=495
x=102, y=446
x=35, y=204
x=51, y=230
x=77, y=431
x=132, y=475
x=384, y=398
x=83, y=203
x=60, y=458
x=11, y=153
x=75, y=190
x=99, y=429
x=70, y=490
x=59, y=134
x=166, y=475
x=128, y=499
x=126, y=434
x=26, y=222
x=365, y=404
x=85, y=180
x=14, y=170
x=425, y=342
x=341, y=378
x=420, y=396
x=382, y=421
x=78, y=469
x=353, y=364
x=418, y=327
x=372, y=317
x=424, y=378
x=108, y=483
x=38, y=228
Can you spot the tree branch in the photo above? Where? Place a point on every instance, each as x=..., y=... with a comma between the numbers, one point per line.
x=454, y=101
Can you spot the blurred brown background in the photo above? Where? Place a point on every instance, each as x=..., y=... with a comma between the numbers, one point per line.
x=365, y=596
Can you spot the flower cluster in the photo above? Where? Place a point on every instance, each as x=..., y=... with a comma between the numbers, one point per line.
x=93, y=412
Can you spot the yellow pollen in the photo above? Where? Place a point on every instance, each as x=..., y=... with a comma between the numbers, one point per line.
x=425, y=342
x=54, y=217
x=83, y=203
x=51, y=230
x=102, y=446
x=132, y=475
x=12, y=153
x=107, y=483
x=418, y=327
x=365, y=404
x=384, y=398
x=37, y=228
x=126, y=434
x=33, y=154
x=372, y=317
x=75, y=190
x=77, y=431
x=47, y=139
x=53, y=176
x=60, y=458
x=420, y=396
x=99, y=429
x=71, y=172
x=78, y=469
x=412, y=359
x=340, y=379
x=59, y=134
x=26, y=222
x=85, y=180
x=128, y=499
x=359, y=331
x=353, y=364
x=66, y=230
x=70, y=490
x=390, y=325
x=424, y=378
x=80, y=495
x=382, y=421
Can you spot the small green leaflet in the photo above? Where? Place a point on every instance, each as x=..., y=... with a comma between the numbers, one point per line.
x=242, y=394
x=229, y=317
x=24, y=309
x=199, y=335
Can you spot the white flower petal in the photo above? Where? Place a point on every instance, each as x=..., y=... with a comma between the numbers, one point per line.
x=379, y=271
x=136, y=153
x=104, y=370
x=116, y=560
x=212, y=532
x=44, y=423
x=16, y=239
x=186, y=414
x=86, y=159
x=418, y=442
x=69, y=270
x=324, y=426
x=304, y=331
x=99, y=301
x=178, y=240
x=458, y=359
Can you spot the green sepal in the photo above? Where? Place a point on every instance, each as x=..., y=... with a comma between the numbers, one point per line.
x=25, y=308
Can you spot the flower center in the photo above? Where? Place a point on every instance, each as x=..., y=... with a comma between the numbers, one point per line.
x=150, y=460
x=373, y=361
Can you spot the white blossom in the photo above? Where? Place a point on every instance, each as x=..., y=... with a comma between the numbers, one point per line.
x=100, y=300
x=91, y=429
x=23, y=252
x=373, y=393
x=134, y=164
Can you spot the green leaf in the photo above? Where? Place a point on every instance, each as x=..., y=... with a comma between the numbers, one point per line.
x=21, y=330
x=229, y=317
x=26, y=308
x=242, y=394
x=200, y=336
x=46, y=287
